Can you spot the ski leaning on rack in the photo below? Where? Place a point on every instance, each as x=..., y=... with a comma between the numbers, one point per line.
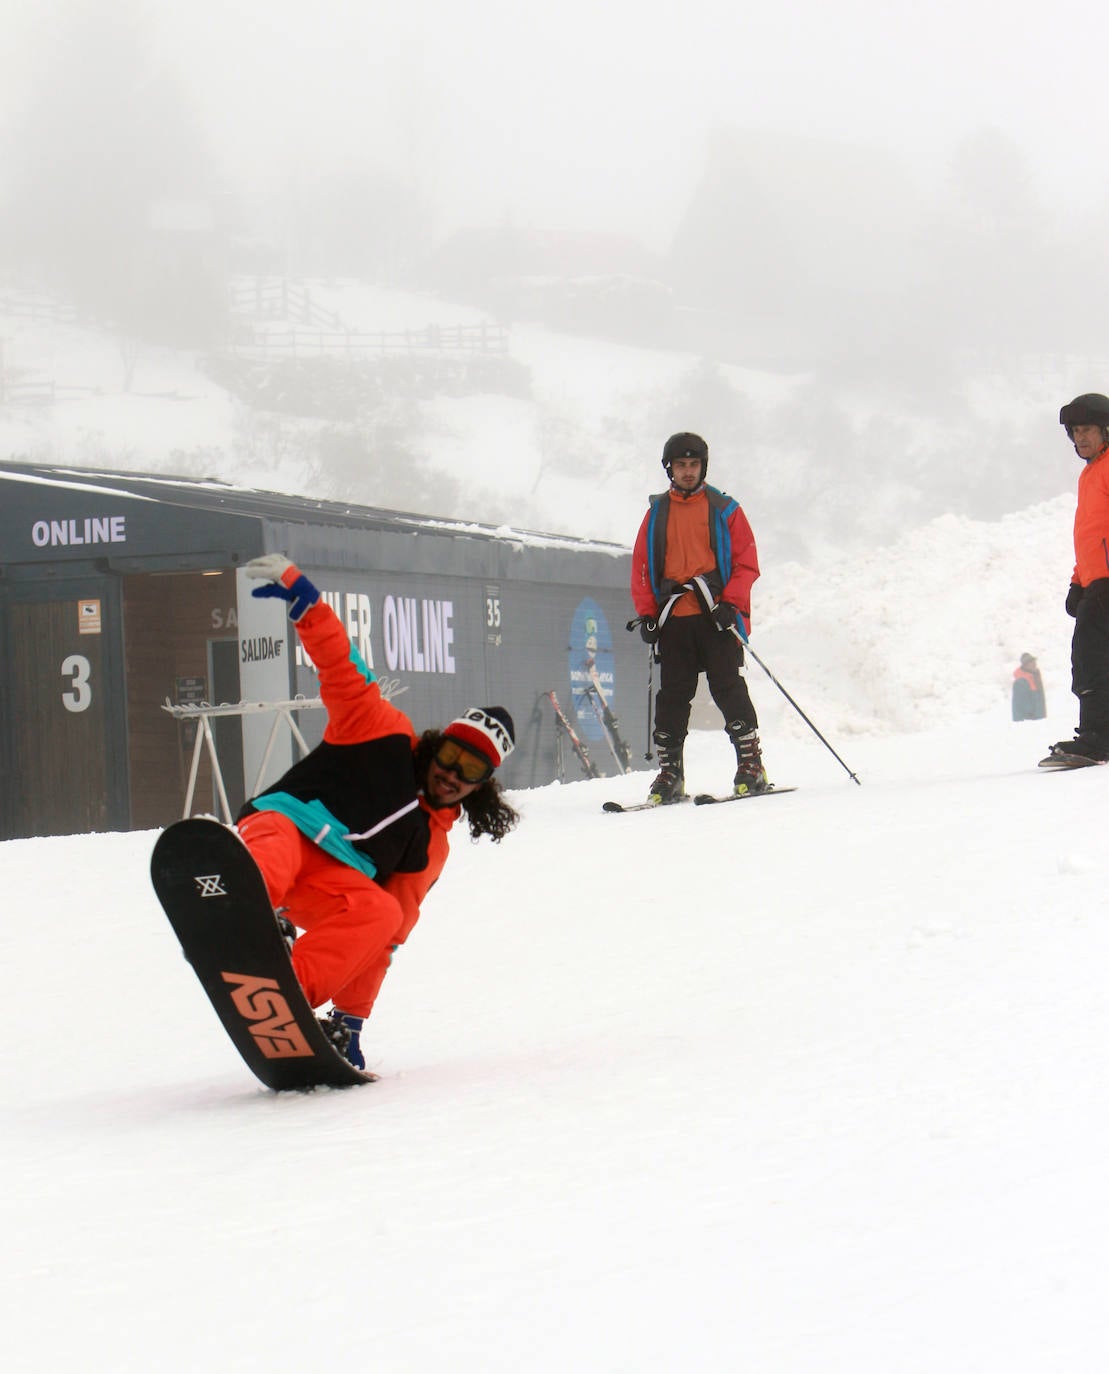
x=563, y=727
x=217, y=904
x=710, y=799
x=610, y=726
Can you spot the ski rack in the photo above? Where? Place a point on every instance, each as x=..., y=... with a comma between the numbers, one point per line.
x=202, y=713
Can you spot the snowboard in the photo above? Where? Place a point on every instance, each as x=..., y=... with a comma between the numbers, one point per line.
x=217, y=904
x=1066, y=763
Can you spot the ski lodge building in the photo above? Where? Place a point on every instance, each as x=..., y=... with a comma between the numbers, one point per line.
x=140, y=680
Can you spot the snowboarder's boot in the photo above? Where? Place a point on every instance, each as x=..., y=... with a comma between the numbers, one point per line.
x=288, y=930
x=344, y=1032
x=1083, y=749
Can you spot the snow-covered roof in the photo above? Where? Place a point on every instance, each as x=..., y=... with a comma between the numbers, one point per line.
x=215, y=494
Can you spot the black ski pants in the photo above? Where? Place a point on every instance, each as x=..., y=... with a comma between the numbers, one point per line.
x=1089, y=654
x=688, y=646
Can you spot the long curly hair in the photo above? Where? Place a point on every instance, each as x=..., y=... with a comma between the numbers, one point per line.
x=486, y=809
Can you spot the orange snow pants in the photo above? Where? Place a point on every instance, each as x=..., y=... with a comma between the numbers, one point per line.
x=350, y=923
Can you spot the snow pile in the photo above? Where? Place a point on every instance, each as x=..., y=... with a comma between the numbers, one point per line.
x=927, y=630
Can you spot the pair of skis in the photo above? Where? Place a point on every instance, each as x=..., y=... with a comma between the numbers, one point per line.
x=700, y=799
x=577, y=744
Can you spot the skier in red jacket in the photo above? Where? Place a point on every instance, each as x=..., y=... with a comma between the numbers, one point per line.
x=693, y=568
x=350, y=840
x=1086, y=420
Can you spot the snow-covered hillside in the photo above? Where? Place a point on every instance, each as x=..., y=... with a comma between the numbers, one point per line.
x=818, y=463
x=865, y=627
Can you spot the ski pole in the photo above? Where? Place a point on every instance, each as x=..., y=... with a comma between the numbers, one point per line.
x=746, y=645
x=650, y=698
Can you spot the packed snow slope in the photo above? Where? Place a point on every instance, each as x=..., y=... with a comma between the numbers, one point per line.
x=811, y=1083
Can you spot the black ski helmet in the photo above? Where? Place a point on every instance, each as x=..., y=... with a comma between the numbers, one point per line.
x=1091, y=408
x=687, y=445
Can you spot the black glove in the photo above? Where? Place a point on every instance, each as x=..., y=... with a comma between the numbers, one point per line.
x=1074, y=596
x=1097, y=595
x=723, y=615
x=648, y=630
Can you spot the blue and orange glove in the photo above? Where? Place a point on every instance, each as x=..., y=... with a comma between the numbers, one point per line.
x=285, y=580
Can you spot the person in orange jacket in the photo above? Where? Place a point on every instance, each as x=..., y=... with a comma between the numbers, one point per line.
x=351, y=838
x=693, y=567
x=1028, y=690
x=1086, y=420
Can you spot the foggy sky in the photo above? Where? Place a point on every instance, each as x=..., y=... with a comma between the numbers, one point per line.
x=596, y=116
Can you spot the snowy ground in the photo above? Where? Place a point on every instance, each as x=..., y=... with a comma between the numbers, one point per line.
x=809, y=1084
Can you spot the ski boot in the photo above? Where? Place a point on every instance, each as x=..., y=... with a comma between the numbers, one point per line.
x=669, y=786
x=750, y=775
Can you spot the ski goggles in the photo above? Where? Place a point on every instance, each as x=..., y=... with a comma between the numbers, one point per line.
x=463, y=762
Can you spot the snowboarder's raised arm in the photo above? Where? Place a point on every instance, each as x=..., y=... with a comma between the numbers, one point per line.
x=356, y=709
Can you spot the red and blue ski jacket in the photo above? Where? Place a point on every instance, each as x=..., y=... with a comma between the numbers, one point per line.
x=714, y=541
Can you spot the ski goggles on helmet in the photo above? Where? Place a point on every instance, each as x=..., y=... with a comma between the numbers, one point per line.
x=463, y=762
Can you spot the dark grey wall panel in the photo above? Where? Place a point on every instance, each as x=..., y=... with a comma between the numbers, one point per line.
x=449, y=614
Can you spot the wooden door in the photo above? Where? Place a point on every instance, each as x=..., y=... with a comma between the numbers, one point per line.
x=62, y=711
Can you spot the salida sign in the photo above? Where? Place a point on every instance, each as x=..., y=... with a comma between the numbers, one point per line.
x=261, y=648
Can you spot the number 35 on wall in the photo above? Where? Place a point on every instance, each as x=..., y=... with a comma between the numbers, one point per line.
x=78, y=669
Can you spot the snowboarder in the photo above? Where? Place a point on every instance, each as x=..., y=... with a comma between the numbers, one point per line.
x=693, y=568
x=1028, y=690
x=1086, y=420
x=352, y=837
